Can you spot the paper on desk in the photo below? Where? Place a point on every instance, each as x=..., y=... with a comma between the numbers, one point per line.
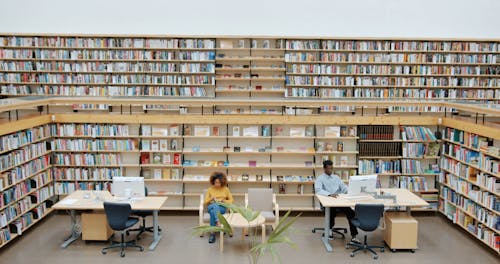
x=68, y=201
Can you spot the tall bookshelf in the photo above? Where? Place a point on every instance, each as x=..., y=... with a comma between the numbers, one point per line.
x=402, y=157
x=25, y=179
x=267, y=67
x=470, y=184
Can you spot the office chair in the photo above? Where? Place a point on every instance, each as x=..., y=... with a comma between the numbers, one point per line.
x=367, y=219
x=337, y=230
x=118, y=215
x=143, y=214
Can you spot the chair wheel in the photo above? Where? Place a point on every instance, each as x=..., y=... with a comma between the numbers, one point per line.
x=104, y=252
x=382, y=250
x=122, y=254
x=347, y=246
x=141, y=249
x=314, y=231
x=352, y=255
x=375, y=257
x=393, y=250
x=345, y=231
x=412, y=251
x=127, y=233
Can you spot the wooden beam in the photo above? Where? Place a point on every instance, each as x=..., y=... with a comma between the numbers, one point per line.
x=486, y=131
x=14, y=126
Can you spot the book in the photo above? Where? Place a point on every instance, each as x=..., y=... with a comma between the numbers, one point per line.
x=145, y=158
x=279, y=131
x=282, y=188
x=279, y=178
x=155, y=145
x=157, y=158
x=332, y=131
x=297, y=132
x=201, y=131
x=163, y=145
x=236, y=131
x=174, y=130
x=215, y=131
x=252, y=131
x=259, y=177
x=157, y=174
x=226, y=44
x=244, y=177
x=187, y=131
x=177, y=159
x=166, y=159
x=146, y=130
x=166, y=174
x=175, y=174
x=158, y=131
x=344, y=160
x=340, y=146
x=146, y=145
x=146, y=173
x=173, y=144
x=300, y=188
x=252, y=163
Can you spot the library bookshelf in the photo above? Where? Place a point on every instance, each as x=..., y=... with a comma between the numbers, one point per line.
x=250, y=67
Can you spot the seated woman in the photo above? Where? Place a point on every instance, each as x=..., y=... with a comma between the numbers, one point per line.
x=218, y=192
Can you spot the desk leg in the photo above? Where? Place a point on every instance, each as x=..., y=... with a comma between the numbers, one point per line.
x=326, y=240
x=156, y=233
x=221, y=241
x=76, y=232
x=263, y=233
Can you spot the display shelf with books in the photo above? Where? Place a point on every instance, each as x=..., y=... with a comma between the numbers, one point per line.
x=26, y=180
x=469, y=183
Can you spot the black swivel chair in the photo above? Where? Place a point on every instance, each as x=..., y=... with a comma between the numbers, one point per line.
x=367, y=219
x=143, y=214
x=118, y=215
x=337, y=230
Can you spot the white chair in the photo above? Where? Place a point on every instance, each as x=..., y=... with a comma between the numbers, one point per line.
x=264, y=200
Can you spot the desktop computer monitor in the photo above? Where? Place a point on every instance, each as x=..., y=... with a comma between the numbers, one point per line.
x=128, y=187
x=362, y=184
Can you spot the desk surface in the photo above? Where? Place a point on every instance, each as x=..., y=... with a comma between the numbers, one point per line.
x=77, y=201
x=403, y=198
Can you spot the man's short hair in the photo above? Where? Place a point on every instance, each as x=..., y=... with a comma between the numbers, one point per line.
x=327, y=163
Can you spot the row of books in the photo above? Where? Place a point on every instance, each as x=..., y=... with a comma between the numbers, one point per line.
x=162, y=174
x=161, y=158
x=107, y=55
x=366, y=166
x=415, y=183
x=91, y=107
x=469, y=139
x=24, y=171
x=393, y=45
x=5, y=235
x=301, y=92
x=461, y=153
x=44, y=193
x=20, y=138
x=106, y=79
x=404, y=93
x=103, y=67
x=488, y=182
x=41, y=179
x=23, y=154
x=412, y=166
x=429, y=109
x=460, y=169
x=69, y=187
x=379, y=132
x=420, y=150
x=14, y=193
x=400, y=82
x=417, y=133
x=160, y=130
x=159, y=145
x=87, y=159
x=332, y=108
x=474, y=193
x=89, y=130
x=14, y=210
x=376, y=149
x=71, y=174
x=394, y=58
x=387, y=69
x=470, y=206
x=105, y=42
x=95, y=145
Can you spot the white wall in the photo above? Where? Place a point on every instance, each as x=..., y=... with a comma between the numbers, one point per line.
x=341, y=18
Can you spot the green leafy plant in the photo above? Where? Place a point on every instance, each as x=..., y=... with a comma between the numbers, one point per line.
x=277, y=236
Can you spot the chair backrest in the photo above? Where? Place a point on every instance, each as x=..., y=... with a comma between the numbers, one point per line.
x=369, y=215
x=260, y=199
x=117, y=214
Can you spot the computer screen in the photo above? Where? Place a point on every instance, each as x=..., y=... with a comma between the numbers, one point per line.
x=359, y=184
x=128, y=187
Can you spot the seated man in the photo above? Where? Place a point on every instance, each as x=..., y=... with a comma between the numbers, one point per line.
x=329, y=184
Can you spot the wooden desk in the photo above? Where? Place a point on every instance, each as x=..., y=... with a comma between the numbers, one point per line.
x=237, y=220
x=404, y=198
x=93, y=200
